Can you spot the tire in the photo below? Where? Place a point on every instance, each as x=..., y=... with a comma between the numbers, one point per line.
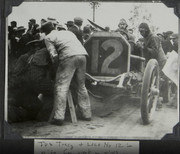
x=149, y=91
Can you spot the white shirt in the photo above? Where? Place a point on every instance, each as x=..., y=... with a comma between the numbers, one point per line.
x=63, y=43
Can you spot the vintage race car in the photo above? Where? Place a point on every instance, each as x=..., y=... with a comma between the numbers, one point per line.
x=116, y=66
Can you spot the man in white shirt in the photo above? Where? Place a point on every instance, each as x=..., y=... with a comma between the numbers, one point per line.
x=64, y=47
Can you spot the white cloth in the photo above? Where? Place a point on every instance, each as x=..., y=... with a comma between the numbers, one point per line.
x=170, y=69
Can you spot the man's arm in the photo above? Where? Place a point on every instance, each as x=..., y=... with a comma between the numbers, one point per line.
x=153, y=49
x=53, y=55
x=52, y=50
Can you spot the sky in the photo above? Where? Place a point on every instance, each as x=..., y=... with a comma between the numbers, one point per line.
x=107, y=14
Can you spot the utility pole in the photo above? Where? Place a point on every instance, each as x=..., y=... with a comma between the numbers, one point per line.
x=94, y=6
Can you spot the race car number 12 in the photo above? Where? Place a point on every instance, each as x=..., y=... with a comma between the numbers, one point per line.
x=118, y=48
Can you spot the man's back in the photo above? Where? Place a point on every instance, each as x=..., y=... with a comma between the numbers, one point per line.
x=65, y=43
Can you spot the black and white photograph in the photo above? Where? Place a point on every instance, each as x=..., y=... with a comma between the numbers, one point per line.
x=92, y=70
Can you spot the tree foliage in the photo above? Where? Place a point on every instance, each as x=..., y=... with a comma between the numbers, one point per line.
x=140, y=14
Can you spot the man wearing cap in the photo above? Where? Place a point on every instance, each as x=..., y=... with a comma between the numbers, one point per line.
x=166, y=42
x=174, y=37
x=167, y=34
x=76, y=28
x=64, y=47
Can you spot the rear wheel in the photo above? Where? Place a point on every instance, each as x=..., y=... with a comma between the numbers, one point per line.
x=150, y=91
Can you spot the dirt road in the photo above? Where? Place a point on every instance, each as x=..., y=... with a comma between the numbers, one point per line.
x=113, y=118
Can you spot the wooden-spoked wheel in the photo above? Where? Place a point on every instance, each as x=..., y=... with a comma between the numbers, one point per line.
x=150, y=91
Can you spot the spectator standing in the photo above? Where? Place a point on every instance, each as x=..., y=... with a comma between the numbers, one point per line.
x=86, y=32
x=31, y=26
x=54, y=21
x=11, y=38
x=43, y=21
x=22, y=38
x=76, y=28
x=69, y=24
x=166, y=43
x=174, y=37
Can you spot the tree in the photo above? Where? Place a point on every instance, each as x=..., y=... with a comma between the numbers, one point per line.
x=140, y=14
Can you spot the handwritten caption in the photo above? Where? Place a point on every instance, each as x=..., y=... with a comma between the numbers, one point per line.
x=85, y=147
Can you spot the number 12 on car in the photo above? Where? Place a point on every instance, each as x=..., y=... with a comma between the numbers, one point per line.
x=107, y=57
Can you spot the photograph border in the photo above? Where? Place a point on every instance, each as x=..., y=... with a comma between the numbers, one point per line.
x=6, y=133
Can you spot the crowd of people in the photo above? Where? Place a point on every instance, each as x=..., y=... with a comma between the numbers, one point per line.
x=49, y=60
x=19, y=36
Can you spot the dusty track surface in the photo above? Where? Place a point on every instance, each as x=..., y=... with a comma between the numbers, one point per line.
x=113, y=118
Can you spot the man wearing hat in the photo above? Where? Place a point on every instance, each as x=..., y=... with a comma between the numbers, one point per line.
x=69, y=24
x=33, y=28
x=11, y=37
x=53, y=20
x=76, y=28
x=20, y=32
x=60, y=27
x=31, y=24
x=22, y=38
x=64, y=47
x=43, y=21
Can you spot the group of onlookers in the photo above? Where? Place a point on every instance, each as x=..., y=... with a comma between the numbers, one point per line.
x=18, y=36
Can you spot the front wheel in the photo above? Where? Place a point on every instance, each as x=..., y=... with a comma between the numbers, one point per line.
x=149, y=91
